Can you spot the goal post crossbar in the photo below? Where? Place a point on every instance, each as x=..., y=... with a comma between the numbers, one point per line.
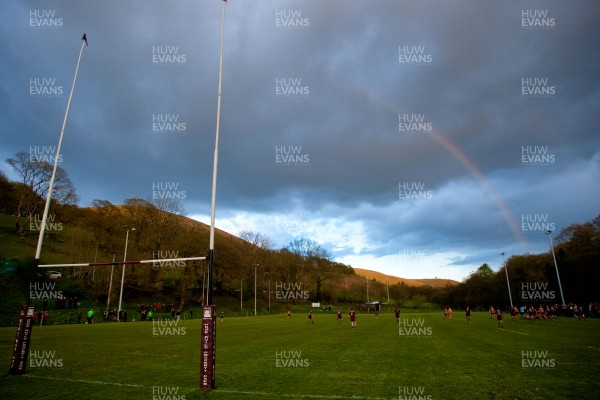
x=103, y=264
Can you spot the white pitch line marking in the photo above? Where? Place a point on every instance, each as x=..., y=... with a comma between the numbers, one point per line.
x=82, y=381
x=508, y=330
x=307, y=396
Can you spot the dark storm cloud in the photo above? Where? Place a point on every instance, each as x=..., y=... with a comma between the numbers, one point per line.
x=344, y=124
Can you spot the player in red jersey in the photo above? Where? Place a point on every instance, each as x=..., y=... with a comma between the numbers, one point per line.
x=499, y=318
x=468, y=313
x=310, y=318
x=353, y=318
x=339, y=315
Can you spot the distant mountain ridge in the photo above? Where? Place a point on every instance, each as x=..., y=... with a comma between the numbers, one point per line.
x=393, y=280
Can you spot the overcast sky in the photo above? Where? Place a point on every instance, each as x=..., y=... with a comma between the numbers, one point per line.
x=416, y=138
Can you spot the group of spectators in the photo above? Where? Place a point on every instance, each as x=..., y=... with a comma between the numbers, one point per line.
x=147, y=311
x=62, y=303
x=113, y=315
x=40, y=317
x=552, y=311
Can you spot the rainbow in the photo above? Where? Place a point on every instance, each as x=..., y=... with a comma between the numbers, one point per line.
x=458, y=154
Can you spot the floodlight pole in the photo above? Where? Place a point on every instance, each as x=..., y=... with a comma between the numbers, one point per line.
x=388, y=292
x=507, y=281
x=255, y=267
x=555, y=266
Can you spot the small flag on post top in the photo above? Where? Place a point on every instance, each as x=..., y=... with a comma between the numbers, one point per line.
x=84, y=38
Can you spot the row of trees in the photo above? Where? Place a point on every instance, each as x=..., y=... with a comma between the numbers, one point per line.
x=577, y=251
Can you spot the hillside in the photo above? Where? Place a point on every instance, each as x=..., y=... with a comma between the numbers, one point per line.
x=438, y=282
x=284, y=277
x=393, y=280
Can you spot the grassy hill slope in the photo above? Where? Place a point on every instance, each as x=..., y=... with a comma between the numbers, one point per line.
x=393, y=280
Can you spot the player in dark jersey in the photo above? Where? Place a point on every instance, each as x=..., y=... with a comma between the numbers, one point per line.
x=310, y=318
x=339, y=315
x=353, y=318
x=397, y=312
x=468, y=313
x=499, y=318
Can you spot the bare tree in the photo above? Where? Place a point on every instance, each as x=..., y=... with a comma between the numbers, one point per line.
x=308, y=249
x=258, y=240
x=34, y=182
x=255, y=245
x=311, y=255
x=104, y=222
x=164, y=222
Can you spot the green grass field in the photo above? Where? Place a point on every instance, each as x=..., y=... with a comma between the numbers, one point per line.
x=445, y=359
